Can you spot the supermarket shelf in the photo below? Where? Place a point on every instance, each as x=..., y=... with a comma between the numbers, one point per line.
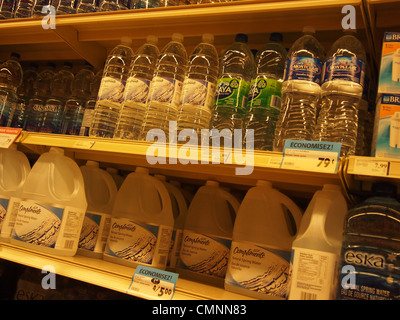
x=106, y=274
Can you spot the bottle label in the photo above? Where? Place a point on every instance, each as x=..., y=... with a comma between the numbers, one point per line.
x=259, y=269
x=265, y=93
x=111, y=89
x=313, y=275
x=176, y=243
x=165, y=90
x=198, y=92
x=9, y=211
x=344, y=68
x=204, y=254
x=232, y=92
x=3, y=210
x=303, y=68
x=137, y=90
x=142, y=243
x=95, y=231
x=86, y=122
x=48, y=226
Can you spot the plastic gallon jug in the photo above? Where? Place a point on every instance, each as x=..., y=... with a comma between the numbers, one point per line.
x=316, y=249
x=180, y=209
x=101, y=191
x=142, y=222
x=14, y=169
x=53, y=206
x=264, y=230
x=207, y=235
x=369, y=260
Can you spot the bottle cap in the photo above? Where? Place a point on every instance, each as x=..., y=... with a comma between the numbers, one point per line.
x=309, y=30
x=276, y=37
x=142, y=170
x=51, y=65
x=15, y=55
x=241, y=37
x=56, y=150
x=152, y=39
x=212, y=183
x=91, y=163
x=263, y=183
x=331, y=187
x=68, y=64
x=177, y=37
x=112, y=170
x=126, y=41
x=207, y=38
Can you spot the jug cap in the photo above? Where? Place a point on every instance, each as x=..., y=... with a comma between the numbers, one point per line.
x=142, y=170
x=331, y=187
x=160, y=177
x=112, y=170
x=308, y=30
x=91, y=163
x=56, y=150
x=264, y=183
x=212, y=183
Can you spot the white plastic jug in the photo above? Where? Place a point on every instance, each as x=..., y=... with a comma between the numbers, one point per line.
x=142, y=222
x=101, y=191
x=207, y=235
x=180, y=210
x=116, y=176
x=316, y=249
x=53, y=206
x=14, y=169
x=263, y=233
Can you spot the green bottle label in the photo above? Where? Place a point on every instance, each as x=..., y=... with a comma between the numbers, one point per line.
x=265, y=93
x=232, y=92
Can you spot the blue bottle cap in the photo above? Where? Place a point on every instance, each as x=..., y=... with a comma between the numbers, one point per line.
x=241, y=37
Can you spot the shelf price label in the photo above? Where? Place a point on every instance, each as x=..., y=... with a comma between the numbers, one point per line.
x=317, y=156
x=151, y=283
x=8, y=136
x=372, y=167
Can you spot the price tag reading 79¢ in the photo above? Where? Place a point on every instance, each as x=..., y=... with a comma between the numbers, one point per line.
x=151, y=283
x=319, y=156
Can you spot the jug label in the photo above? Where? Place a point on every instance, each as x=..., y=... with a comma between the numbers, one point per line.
x=344, y=68
x=165, y=90
x=3, y=210
x=8, y=220
x=232, y=92
x=95, y=231
x=313, y=275
x=136, y=89
x=303, y=68
x=176, y=243
x=138, y=242
x=265, y=93
x=259, y=269
x=111, y=89
x=204, y=254
x=198, y=93
x=48, y=226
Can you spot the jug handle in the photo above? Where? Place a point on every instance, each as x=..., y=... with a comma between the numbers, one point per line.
x=231, y=199
x=52, y=186
x=317, y=218
x=294, y=210
x=164, y=195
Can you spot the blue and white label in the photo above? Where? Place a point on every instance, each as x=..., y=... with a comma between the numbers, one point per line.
x=198, y=93
x=344, y=68
x=136, y=90
x=95, y=231
x=303, y=68
x=111, y=89
x=165, y=90
x=3, y=210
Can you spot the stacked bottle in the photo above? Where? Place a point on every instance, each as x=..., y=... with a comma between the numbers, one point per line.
x=7, y=9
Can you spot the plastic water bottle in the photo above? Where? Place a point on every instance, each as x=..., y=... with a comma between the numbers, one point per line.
x=75, y=105
x=198, y=93
x=84, y=6
x=265, y=93
x=25, y=92
x=53, y=111
x=316, y=249
x=100, y=192
x=65, y=7
x=24, y=8
x=10, y=80
x=53, y=206
x=265, y=227
x=7, y=9
x=111, y=92
x=42, y=91
x=166, y=87
x=236, y=71
x=90, y=104
x=14, y=170
x=207, y=235
x=301, y=90
x=142, y=222
x=108, y=5
x=137, y=89
x=39, y=4
x=145, y=4
x=369, y=249
x=342, y=90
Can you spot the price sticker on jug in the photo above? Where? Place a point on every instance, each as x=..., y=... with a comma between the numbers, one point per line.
x=318, y=156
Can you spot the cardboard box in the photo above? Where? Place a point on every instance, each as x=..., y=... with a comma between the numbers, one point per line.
x=389, y=74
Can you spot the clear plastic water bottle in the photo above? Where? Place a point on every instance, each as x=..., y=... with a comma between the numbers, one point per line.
x=111, y=92
x=39, y=4
x=7, y=9
x=236, y=71
x=301, y=90
x=198, y=93
x=10, y=80
x=90, y=104
x=136, y=90
x=342, y=90
x=37, y=102
x=166, y=87
x=265, y=93
x=66, y=7
x=84, y=6
x=53, y=111
x=25, y=92
x=24, y=8
x=108, y=5
x=145, y=4
x=75, y=105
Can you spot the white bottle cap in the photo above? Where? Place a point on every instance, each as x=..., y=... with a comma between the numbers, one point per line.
x=160, y=177
x=263, y=183
x=152, y=39
x=126, y=41
x=91, y=163
x=212, y=183
x=177, y=37
x=309, y=30
x=56, y=150
x=142, y=170
x=207, y=38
